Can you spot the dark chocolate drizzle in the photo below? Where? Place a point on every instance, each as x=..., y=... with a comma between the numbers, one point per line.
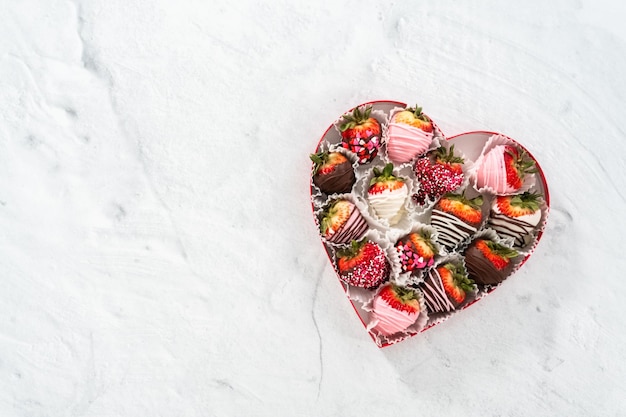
x=507, y=226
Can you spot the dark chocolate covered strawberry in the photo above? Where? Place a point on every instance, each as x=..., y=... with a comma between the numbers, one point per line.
x=456, y=218
x=416, y=251
x=332, y=172
x=488, y=262
x=363, y=264
x=516, y=217
x=341, y=222
x=438, y=173
x=446, y=287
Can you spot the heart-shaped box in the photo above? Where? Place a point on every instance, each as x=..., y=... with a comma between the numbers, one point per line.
x=408, y=252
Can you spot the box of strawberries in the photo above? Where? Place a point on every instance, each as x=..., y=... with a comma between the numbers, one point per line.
x=417, y=225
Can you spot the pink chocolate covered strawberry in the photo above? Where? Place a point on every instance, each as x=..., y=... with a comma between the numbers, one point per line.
x=363, y=264
x=504, y=168
x=360, y=133
x=438, y=173
x=395, y=309
x=456, y=218
x=410, y=134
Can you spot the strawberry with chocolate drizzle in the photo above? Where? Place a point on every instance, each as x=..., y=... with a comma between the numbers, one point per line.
x=395, y=308
x=456, y=218
x=489, y=262
x=439, y=172
x=363, y=264
x=341, y=222
x=446, y=287
x=416, y=251
x=332, y=172
x=360, y=133
x=410, y=133
x=516, y=217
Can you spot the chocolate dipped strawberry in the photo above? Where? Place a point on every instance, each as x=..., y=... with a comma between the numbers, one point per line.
x=387, y=194
x=456, y=218
x=504, y=169
x=410, y=134
x=341, y=222
x=416, y=251
x=488, y=262
x=363, y=264
x=438, y=173
x=360, y=133
x=332, y=172
x=395, y=309
x=446, y=287
x=516, y=217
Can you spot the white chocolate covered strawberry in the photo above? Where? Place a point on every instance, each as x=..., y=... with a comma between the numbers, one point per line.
x=387, y=194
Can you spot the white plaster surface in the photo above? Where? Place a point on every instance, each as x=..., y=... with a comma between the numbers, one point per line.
x=157, y=251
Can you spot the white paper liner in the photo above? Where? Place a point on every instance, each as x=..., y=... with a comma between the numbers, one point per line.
x=492, y=142
x=416, y=327
x=467, y=167
x=470, y=297
x=318, y=213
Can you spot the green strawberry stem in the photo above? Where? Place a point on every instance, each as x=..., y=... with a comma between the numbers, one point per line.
x=474, y=203
x=417, y=112
x=459, y=275
x=357, y=117
x=501, y=250
x=318, y=159
x=447, y=155
x=526, y=200
x=352, y=250
x=385, y=175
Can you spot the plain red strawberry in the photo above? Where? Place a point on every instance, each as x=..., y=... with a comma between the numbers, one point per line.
x=363, y=264
x=499, y=255
x=400, y=298
x=458, y=205
x=517, y=164
x=518, y=205
x=455, y=281
x=360, y=133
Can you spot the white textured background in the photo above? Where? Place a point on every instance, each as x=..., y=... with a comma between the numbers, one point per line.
x=157, y=251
